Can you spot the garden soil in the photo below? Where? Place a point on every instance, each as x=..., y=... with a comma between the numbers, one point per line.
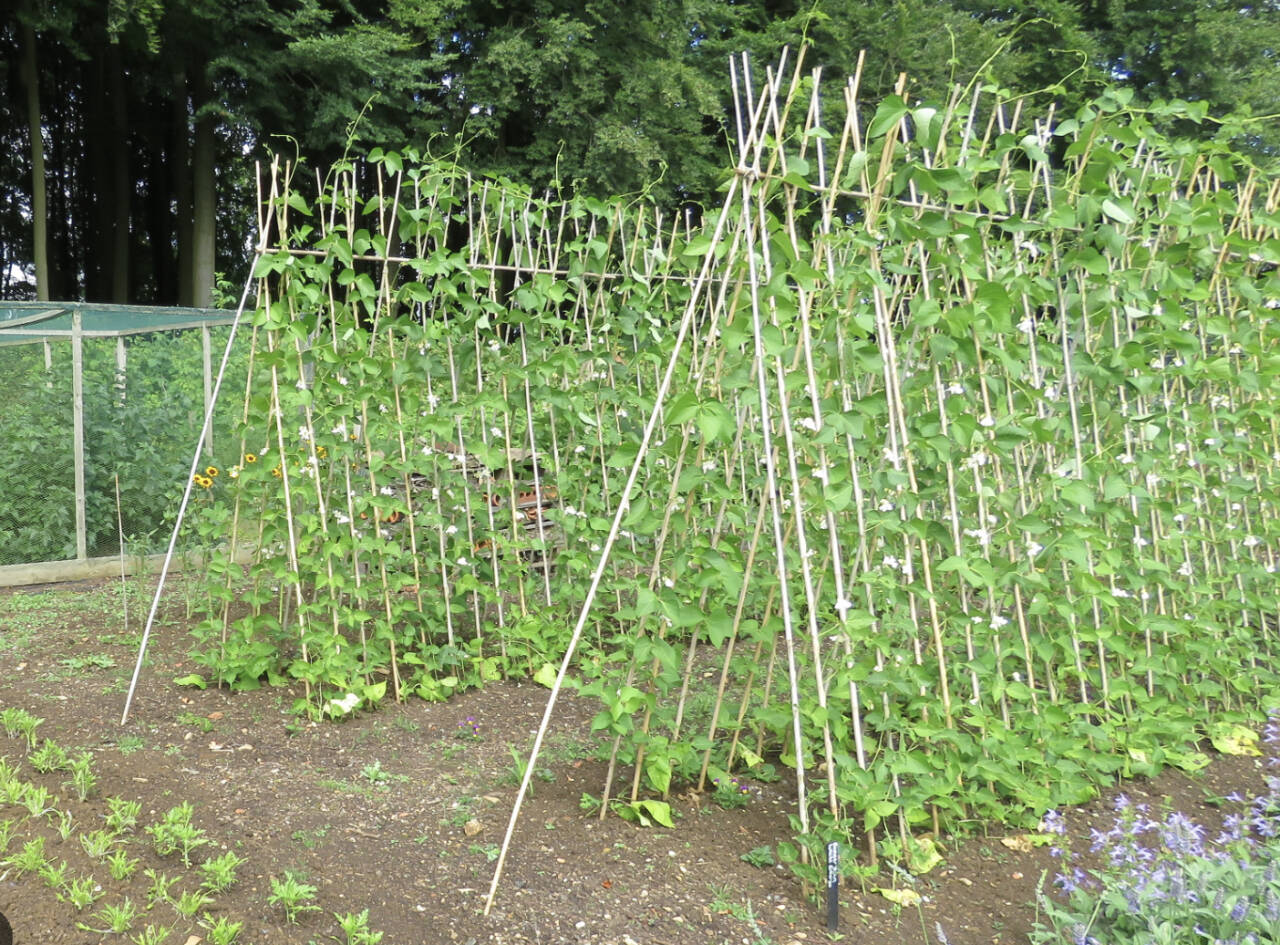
x=401, y=811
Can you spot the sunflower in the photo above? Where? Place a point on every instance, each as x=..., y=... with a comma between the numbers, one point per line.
x=204, y=482
x=250, y=457
x=276, y=472
x=211, y=471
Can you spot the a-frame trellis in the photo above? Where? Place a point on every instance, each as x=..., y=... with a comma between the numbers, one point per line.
x=910, y=469
x=1001, y=650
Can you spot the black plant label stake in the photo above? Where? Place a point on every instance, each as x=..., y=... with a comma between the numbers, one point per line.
x=833, y=885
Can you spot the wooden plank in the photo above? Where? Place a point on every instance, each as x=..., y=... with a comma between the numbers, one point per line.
x=89, y=569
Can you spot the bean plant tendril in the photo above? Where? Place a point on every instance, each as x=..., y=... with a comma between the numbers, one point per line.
x=1018, y=377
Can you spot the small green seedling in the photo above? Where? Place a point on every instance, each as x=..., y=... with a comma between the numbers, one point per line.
x=220, y=872
x=356, y=927
x=50, y=756
x=177, y=834
x=37, y=800
x=20, y=722
x=198, y=722
x=115, y=920
x=66, y=825
x=292, y=895
x=160, y=886
x=190, y=902
x=97, y=843
x=152, y=935
x=30, y=859
x=81, y=893
x=54, y=875
x=121, y=866
x=82, y=779
x=222, y=931
x=122, y=815
x=13, y=791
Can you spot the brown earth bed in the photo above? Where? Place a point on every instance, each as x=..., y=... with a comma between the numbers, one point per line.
x=401, y=811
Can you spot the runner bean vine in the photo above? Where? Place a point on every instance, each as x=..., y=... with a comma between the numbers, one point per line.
x=962, y=503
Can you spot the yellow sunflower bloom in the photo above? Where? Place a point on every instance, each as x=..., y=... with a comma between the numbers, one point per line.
x=211, y=471
x=276, y=472
x=250, y=457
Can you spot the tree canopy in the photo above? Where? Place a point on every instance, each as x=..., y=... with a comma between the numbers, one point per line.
x=135, y=124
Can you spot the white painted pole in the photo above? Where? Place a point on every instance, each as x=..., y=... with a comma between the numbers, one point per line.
x=77, y=427
x=206, y=346
x=686, y=323
x=122, y=363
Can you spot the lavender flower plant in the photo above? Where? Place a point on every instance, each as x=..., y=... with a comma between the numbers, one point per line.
x=1166, y=881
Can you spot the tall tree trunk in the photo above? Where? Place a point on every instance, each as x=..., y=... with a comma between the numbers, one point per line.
x=98, y=179
x=180, y=159
x=159, y=195
x=39, y=203
x=64, y=268
x=120, y=189
x=203, y=218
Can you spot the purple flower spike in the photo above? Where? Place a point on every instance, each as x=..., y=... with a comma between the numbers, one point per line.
x=1165, y=871
x=1240, y=910
x=1182, y=836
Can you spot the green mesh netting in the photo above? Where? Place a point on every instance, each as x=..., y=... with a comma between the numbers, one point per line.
x=139, y=425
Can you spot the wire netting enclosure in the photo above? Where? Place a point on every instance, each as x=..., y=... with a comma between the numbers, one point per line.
x=937, y=468
x=102, y=406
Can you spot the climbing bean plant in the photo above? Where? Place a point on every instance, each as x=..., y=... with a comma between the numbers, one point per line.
x=426, y=439
x=960, y=499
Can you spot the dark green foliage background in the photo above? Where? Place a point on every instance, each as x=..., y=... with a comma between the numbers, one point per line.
x=599, y=98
